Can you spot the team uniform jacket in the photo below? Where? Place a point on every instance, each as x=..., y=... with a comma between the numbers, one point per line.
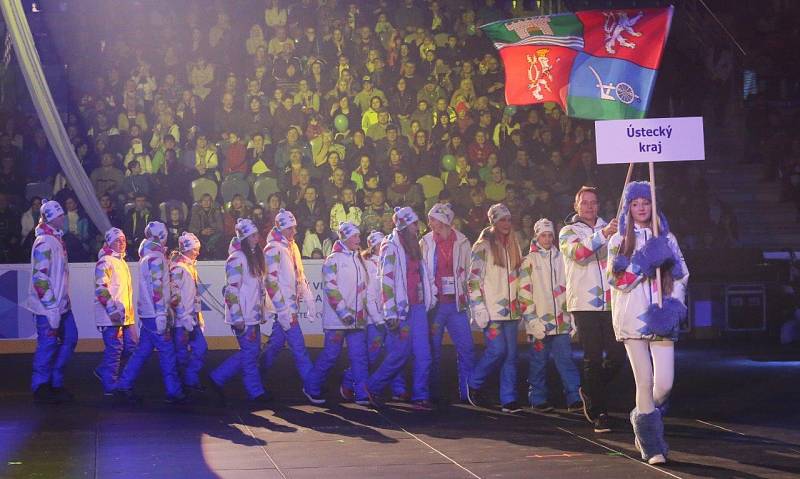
x=632, y=292
x=286, y=282
x=153, y=283
x=185, y=298
x=374, y=308
x=461, y=258
x=246, y=301
x=113, y=292
x=48, y=294
x=543, y=293
x=345, y=284
x=493, y=290
x=584, y=250
x=393, y=276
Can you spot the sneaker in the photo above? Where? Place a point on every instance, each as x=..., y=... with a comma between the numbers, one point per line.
x=422, y=405
x=601, y=424
x=362, y=402
x=511, y=407
x=62, y=395
x=475, y=397
x=314, y=399
x=107, y=394
x=44, y=395
x=587, y=405
x=374, y=400
x=404, y=397
x=544, y=407
x=575, y=407
x=657, y=459
x=347, y=394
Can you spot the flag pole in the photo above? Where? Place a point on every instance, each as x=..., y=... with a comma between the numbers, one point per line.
x=654, y=222
x=622, y=196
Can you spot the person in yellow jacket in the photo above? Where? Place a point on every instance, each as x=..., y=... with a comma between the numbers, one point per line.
x=113, y=308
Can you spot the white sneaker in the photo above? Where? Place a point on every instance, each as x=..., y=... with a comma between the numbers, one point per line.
x=657, y=459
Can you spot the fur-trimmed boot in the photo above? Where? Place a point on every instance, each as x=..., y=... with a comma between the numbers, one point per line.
x=649, y=432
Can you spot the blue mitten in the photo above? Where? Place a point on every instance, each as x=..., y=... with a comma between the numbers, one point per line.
x=620, y=264
x=654, y=253
x=664, y=321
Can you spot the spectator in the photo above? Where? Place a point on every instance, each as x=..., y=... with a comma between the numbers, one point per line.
x=310, y=209
x=479, y=150
x=206, y=223
x=175, y=227
x=361, y=172
x=318, y=239
x=260, y=163
x=136, y=183
x=345, y=210
x=107, y=178
x=403, y=193
x=135, y=221
x=30, y=218
x=376, y=209
x=332, y=188
x=234, y=155
x=237, y=209
x=10, y=231
x=114, y=216
x=202, y=159
x=76, y=231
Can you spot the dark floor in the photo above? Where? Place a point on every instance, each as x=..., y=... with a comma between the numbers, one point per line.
x=732, y=417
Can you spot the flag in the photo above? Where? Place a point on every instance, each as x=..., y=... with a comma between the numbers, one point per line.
x=596, y=64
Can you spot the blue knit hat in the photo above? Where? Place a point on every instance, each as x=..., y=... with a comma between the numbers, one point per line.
x=634, y=190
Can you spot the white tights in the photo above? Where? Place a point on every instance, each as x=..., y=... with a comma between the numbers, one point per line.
x=653, y=364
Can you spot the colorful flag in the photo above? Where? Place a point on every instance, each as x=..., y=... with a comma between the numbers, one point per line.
x=597, y=64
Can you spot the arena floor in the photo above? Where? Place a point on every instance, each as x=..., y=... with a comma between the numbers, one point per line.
x=734, y=415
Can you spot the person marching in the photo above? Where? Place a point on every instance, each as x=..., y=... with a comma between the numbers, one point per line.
x=345, y=314
x=583, y=245
x=648, y=331
x=246, y=308
x=447, y=253
x=376, y=327
x=113, y=308
x=190, y=343
x=48, y=300
x=547, y=322
x=287, y=287
x=406, y=300
x=493, y=286
x=156, y=332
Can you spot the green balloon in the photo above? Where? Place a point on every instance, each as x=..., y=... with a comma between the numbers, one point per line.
x=341, y=123
x=449, y=162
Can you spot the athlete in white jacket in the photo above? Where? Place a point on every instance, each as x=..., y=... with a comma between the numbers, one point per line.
x=583, y=243
x=547, y=322
x=247, y=307
x=447, y=254
x=647, y=329
x=494, y=306
x=48, y=300
x=287, y=287
x=345, y=315
x=113, y=307
x=190, y=342
x=152, y=306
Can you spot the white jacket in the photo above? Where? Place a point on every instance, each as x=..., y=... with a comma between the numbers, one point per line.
x=153, y=281
x=632, y=292
x=185, y=299
x=48, y=294
x=374, y=307
x=585, y=254
x=347, y=296
x=246, y=301
x=393, y=274
x=113, y=291
x=543, y=293
x=286, y=282
x=462, y=253
x=493, y=290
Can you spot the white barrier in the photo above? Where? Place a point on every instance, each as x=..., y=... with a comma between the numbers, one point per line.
x=17, y=323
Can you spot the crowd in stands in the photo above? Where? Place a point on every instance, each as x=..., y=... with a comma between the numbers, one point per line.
x=200, y=112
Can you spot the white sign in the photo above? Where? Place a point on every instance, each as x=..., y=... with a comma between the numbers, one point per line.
x=650, y=139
